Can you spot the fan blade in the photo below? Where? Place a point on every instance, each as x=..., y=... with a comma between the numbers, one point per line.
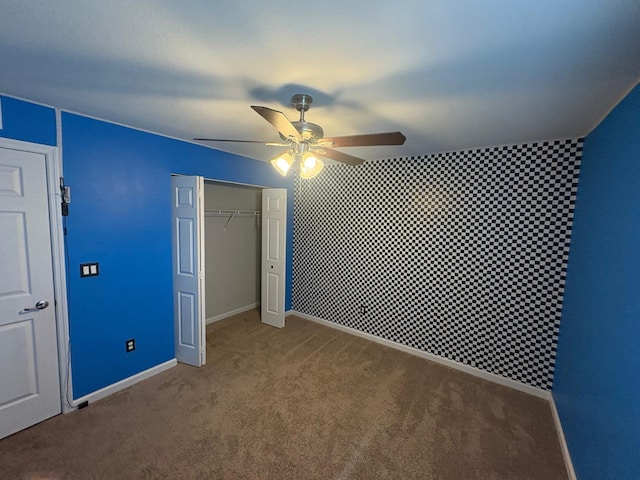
x=227, y=140
x=280, y=121
x=339, y=156
x=370, y=140
x=268, y=144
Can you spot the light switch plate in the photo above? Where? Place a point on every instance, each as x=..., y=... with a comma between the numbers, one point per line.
x=89, y=269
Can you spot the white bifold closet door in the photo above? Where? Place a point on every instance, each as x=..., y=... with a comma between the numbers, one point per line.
x=274, y=223
x=187, y=214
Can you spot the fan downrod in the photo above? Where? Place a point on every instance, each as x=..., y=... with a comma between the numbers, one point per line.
x=310, y=131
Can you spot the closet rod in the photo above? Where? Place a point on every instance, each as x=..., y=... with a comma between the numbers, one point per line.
x=233, y=212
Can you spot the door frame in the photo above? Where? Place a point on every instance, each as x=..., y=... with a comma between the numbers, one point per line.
x=53, y=174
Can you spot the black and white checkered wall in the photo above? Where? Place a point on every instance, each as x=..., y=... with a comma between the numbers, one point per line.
x=461, y=254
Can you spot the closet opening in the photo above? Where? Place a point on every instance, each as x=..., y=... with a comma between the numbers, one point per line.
x=232, y=249
x=229, y=256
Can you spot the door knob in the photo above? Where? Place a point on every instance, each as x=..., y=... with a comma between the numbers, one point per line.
x=41, y=305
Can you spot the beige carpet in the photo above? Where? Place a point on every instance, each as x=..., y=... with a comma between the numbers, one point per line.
x=304, y=402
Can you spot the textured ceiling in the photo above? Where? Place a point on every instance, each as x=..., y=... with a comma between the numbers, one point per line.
x=449, y=74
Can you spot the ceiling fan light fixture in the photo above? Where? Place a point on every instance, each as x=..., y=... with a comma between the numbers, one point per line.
x=310, y=165
x=282, y=163
x=306, y=140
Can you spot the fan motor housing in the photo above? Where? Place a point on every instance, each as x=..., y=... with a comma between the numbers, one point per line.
x=309, y=131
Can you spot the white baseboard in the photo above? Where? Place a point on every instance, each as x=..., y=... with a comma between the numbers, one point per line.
x=222, y=316
x=507, y=382
x=127, y=382
x=563, y=441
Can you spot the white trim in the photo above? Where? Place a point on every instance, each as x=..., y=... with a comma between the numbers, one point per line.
x=202, y=312
x=492, y=377
x=23, y=99
x=231, y=313
x=240, y=184
x=60, y=277
x=127, y=382
x=144, y=130
x=563, y=441
x=54, y=172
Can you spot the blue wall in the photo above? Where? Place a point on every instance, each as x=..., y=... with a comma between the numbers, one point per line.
x=597, y=379
x=120, y=216
x=27, y=121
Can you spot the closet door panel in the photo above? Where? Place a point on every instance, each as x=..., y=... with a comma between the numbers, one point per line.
x=188, y=269
x=274, y=213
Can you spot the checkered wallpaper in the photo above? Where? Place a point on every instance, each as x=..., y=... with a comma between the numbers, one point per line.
x=459, y=254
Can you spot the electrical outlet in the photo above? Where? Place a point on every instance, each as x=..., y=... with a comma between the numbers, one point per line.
x=130, y=345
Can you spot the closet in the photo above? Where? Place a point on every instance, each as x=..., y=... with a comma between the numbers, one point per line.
x=232, y=218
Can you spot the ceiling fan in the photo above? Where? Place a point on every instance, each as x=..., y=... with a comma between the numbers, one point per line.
x=306, y=140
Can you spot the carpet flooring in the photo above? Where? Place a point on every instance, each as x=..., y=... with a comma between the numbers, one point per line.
x=303, y=402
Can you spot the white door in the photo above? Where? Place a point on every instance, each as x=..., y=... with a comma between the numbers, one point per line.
x=29, y=380
x=188, y=269
x=274, y=221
